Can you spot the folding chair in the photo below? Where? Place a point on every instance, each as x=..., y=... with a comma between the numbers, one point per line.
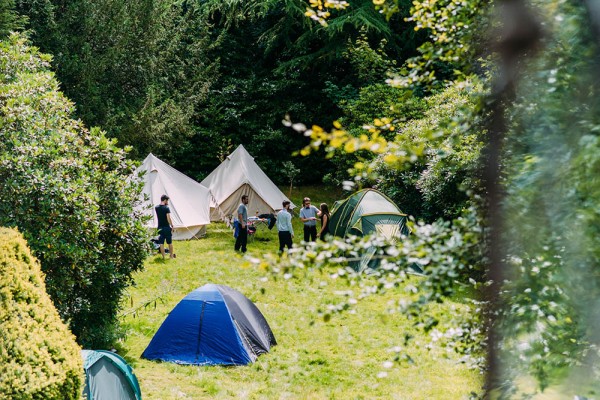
x=251, y=231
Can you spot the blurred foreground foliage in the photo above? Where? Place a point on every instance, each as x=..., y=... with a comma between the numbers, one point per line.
x=547, y=319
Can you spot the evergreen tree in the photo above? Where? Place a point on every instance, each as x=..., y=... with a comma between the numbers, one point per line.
x=10, y=20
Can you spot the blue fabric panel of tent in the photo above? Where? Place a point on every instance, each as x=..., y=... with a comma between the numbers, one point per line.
x=200, y=334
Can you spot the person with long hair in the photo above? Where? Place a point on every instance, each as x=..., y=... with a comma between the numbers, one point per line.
x=324, y=215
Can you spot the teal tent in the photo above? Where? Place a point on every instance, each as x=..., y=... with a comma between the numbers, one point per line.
x=366, y=212
x=108, y=377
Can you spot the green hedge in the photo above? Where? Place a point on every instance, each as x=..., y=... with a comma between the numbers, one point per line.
x=39, y=358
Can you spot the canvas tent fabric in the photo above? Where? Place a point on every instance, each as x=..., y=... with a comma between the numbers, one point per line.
x=365, y=212
x=213, y=325
x=108, y=377
x=237, y=175
x=189, y=200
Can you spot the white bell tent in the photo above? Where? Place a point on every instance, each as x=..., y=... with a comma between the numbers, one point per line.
x=237, y=175
x=189, y=201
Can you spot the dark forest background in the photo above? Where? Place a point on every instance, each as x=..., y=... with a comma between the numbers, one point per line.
x=189, y=81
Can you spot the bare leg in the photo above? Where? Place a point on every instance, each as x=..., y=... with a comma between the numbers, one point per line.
x=171, y=251
x=162, y=250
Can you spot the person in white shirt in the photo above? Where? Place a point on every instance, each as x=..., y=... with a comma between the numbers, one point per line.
x=284, y=226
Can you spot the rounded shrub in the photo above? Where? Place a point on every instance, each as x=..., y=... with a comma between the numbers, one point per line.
x=39, y=358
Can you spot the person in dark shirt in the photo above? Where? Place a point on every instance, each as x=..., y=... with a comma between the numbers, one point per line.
x=324, y=215
x=242, y=217
x=165, y=226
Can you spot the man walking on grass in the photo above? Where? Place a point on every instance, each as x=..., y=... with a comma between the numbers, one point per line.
x=165, y=226
x=284, y=226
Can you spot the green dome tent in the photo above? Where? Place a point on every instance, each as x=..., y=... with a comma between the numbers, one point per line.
x=108, y=377
x=365, y=212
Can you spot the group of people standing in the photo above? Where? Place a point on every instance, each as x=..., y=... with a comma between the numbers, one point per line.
x=308, y=215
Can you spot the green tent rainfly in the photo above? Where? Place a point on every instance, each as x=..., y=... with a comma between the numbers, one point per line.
x=365, y=212
x=108, y=377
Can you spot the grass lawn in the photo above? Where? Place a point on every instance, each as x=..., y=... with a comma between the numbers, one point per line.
x=339, y=359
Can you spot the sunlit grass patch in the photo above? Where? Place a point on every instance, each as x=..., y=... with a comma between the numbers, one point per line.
x=347, y=357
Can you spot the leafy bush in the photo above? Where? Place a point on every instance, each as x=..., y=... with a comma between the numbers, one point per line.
x=438, y=186
x=399, y=105
x=66, y=188
x=38, y=355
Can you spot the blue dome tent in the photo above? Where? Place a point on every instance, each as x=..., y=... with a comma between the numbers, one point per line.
x=213, y=325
